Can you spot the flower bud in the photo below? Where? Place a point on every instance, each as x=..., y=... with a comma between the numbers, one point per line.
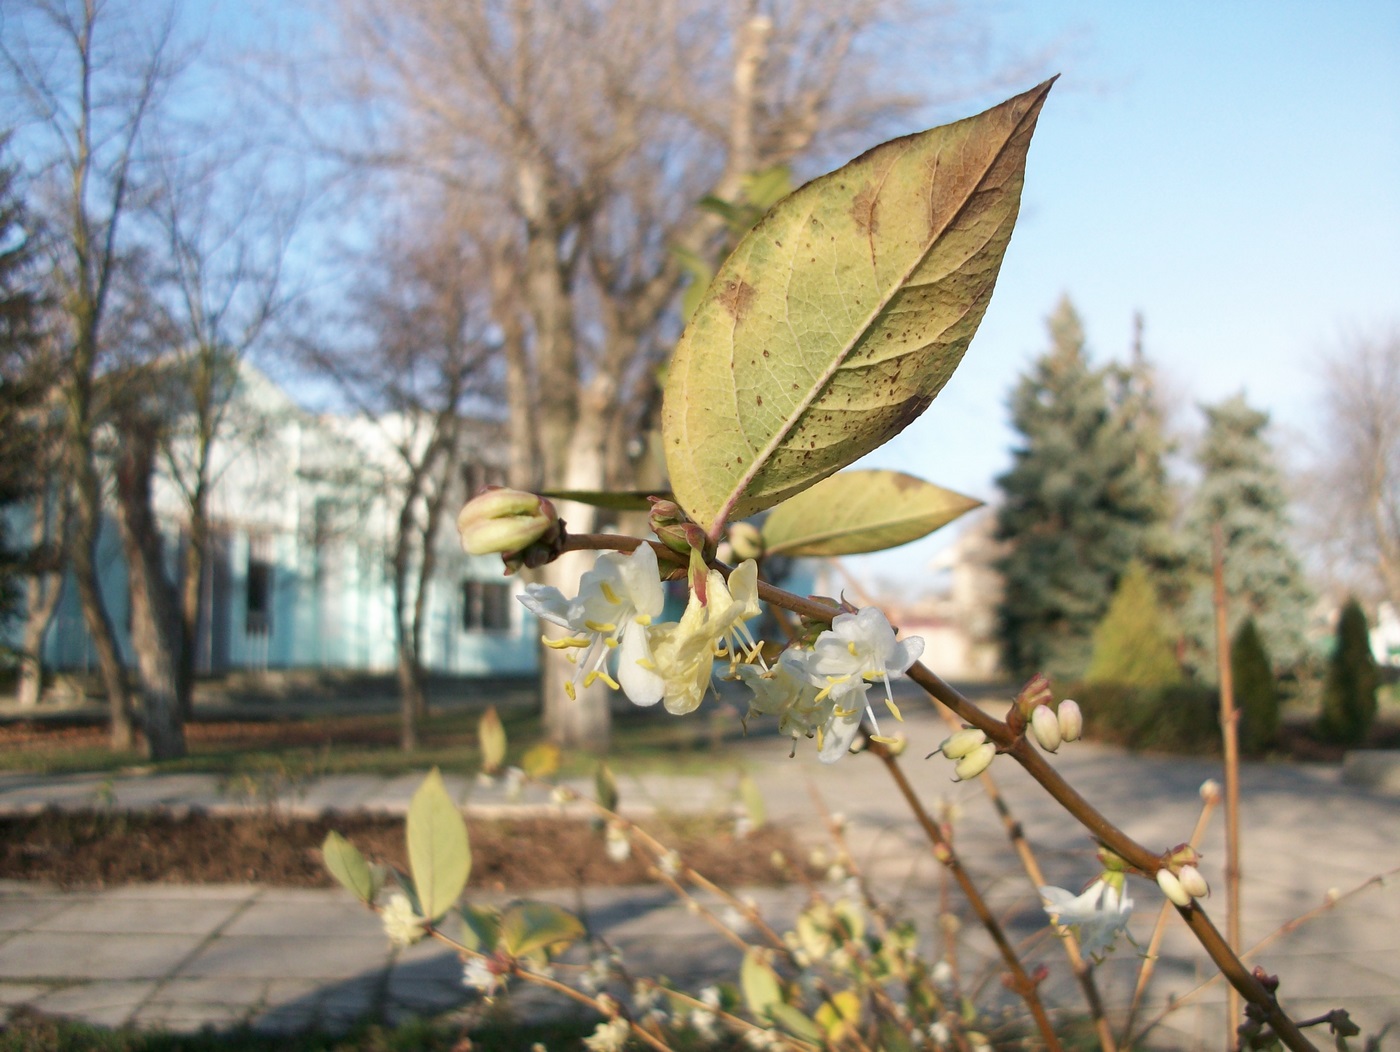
x=746, y=539
x=1035, y=692
x=975, y=762
x=1046, y=728
x=505, y=521
x=962, y=743
x=1193, y=882
x=1210, y=791
x=1171, y=887
x=1071, y=720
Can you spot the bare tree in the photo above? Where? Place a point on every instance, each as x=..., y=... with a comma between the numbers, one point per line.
x=88, y=78
x=1356, y=490
x=425, y=352
x=592, y=131
x=221, y=233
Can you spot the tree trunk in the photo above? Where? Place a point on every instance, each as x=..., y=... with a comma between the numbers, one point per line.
x=42, y=593
x=191, y=579
x=88, y=516
x=155, y=626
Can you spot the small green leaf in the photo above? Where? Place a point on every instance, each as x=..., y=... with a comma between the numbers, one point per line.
x=491, y=734
x=606, y=785
x=527, y=927
x=795, y=1023
x=348, y=866
x=842, y=314
x=761, y=986
x=438, y=853
x=481, y=927
x=624, y=500
x=861, y=511
x=752, y=798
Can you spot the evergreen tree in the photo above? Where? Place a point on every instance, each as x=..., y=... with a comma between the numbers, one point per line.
x=1133, y=643
x=1241, y=490
x=1256, y=691
x=1349, y=701
x=22, y=383
x=1082, y=495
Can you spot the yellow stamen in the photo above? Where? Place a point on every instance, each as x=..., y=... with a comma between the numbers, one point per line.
x=608, y=680
x=884, y=739
x=871, y=676
x=894, y=709
x=600, y=626
x=611, y=642
x=647, y=664
x=820, y=736
x=609, y=594
x=643, y=619
x=563, y=643
x=851, y=646
x=569, y=690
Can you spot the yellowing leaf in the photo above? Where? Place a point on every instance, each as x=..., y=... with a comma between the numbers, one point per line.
x=491, y=735
x=861, y=511
x=541, y=761
x=606, y=784
x=839, y=1015
x=842, y=314
x=760, y=984
x=529, y=927
x=348, y=866
x=438, y=853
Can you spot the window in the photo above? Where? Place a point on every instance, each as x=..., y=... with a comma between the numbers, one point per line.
x=485, y=606
x=259, y=619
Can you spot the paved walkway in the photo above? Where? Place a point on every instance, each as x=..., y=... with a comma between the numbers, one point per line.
x=184, y=957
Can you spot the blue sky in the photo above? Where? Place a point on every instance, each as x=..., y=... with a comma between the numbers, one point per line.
x=1230, y=169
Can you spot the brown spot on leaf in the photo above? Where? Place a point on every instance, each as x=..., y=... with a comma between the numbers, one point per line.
x=902, y=482
x=736, y=298
x=863, y=211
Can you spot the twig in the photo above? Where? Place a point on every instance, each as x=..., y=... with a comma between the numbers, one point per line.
x=1229, y=732
x=942, y=850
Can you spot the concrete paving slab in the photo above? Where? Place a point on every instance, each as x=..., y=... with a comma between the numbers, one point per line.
x=338, y=792
x=102, y=1004
x=34, y=955
x=173, y=916
x=310, y=916
x=306, y=956
x=20, y=910
x=154, y=790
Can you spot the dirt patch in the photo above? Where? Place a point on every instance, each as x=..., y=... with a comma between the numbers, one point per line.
x=97, y=848
x=223, y=734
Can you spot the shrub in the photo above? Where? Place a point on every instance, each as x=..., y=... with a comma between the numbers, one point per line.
x=1256, y=692
x=1349, y=699
x=1133, y=644
x=1181, y=718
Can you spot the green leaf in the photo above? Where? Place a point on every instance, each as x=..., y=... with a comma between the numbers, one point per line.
x=842, y=314
x=861, y=511
x=762, y=989
x=606, y=784
x=797, y=1024
x=438, y=853
x=527, y=927
x=623, y=500
x=348, y=866
x=752, y=798
x=491, y=735
x=481, y=927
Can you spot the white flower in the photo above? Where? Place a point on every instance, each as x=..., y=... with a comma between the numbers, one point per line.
x=401, y=921
x=764, y=1039
x=1097, y=916
x=859, y=649
x=619, y=846
x=477, y=975
x=786, y=690
x=713, y=625
x=1172, y=889
x=616, y=602
x=609, y=1037
x=669, y=863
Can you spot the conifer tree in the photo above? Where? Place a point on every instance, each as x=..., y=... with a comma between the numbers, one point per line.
x=1241, y=490
x=1078, y=502
x=1349, y=700
x=1256, y=691
x=1133, y=645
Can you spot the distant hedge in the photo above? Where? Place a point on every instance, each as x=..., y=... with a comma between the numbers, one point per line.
x=1180, y=718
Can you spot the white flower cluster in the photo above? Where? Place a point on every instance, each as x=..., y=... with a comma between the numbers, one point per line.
x=401, y=921
x=1097, y=916
x=820, y=693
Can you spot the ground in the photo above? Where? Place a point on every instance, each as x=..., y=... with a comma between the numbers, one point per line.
x=98, y=848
